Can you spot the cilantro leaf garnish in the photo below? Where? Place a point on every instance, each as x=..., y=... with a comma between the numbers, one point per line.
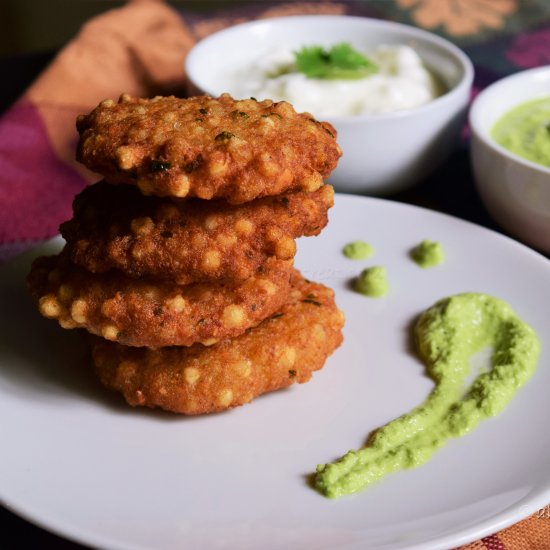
x=341, y=61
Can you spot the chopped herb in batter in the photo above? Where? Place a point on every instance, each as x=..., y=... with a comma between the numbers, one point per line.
x=158, y=166
x=224, y=136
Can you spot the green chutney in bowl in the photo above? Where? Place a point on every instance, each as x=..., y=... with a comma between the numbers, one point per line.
x=525, y=130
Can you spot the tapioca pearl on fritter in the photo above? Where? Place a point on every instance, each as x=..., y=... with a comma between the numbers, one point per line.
x=180, y=185
x=225, y=397
x=240, y=150
x=285, y=249
x=312, y=182
x=177, y=304
x=191, y=406
x=79, y=309
x=127, y=369
x=169, y=116
x=245, y=105
x=309, y=206
x=283, y=108
x=109, y=332
x=319, y=333
x=191, y=375
x=234, y=316
x=241, y=271
x=268, y=168
x=295, y=294
x=267, y=286
x=218, y=165
x=244, y=227
x=287, y=357
x=210, y=342
x=139, y=397
x=106, y=103
x=327, y=193
x=242, y=368
x=197, y=130
x=67, y=323
x=162, y=390
x=198, y=241
x=227, y=239
x=168, y=331
x=142, y=248
x=266, y=126
x=127, y=156
x=109, y=307
x=273, y=234
x=211, y=260
x=268, y=120
x=142, y=226
x=49, y=306
x=211, y=222
x=285, y=177
x=138, y=133
x=158, y=135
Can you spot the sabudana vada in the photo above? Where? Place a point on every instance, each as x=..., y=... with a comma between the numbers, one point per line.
x=141, y=312
x=207, y=147
x=282, y=350
x=115, y=226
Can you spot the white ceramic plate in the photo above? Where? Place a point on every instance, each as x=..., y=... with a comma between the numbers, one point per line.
x=80, y=462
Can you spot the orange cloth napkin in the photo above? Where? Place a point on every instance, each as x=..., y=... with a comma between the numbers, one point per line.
x=139, y=49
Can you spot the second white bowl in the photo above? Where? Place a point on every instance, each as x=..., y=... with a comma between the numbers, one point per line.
x=515, y=191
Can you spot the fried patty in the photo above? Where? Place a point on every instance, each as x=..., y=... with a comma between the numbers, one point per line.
x=207, y=148
x=139, y=312
x=282, y=350
x=115, y=226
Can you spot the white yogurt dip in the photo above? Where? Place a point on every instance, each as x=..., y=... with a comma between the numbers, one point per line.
x=401, y=82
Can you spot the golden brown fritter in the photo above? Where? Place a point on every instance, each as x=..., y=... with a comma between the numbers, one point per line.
x=282, y=350
x=115, y=226
x=207, y=148
x=139, y=312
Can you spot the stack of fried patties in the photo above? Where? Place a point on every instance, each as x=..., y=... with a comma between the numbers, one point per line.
x=180, y=262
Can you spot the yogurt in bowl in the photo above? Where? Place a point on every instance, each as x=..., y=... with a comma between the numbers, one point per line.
x=384, y=150
x=400, y=81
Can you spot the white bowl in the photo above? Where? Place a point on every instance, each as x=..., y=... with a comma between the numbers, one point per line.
x=382, y=153
x=515, y=191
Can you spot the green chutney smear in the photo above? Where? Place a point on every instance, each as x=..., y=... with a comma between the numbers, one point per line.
x=428, y=254
x=372, y=282
x=447, y=335
x=358, y=250
x=525, y=131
